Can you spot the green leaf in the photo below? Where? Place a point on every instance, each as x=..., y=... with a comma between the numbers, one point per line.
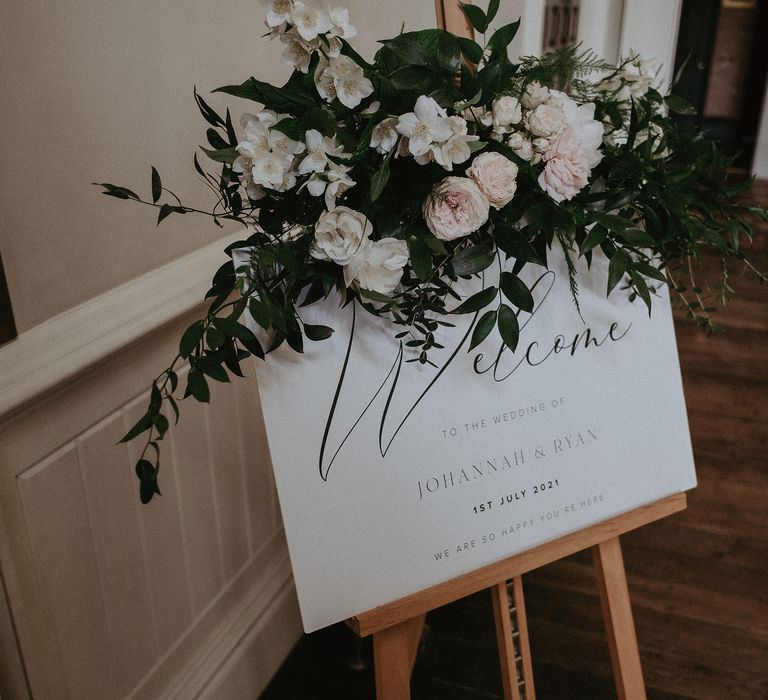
x=476, y=17
x=679, y=105
x=515, y=244
x=421, y=258
x=213, y=369
x=280, y=99
x=161, y=424
x=638, y=238
x=502, y=37
x=157, y=185
x=595, y=237
x=412, y=48
x=642, y=289
x=471, y=50
x=483, y=329
x=612, y=222
x=619, y=264
x=220, y=155
x=516, y=291
x=165, y=211
x=493, y=8
x=116, y=191
x=650, y=271
x=191, y=338
x=147, y=475
x=197, y=386
x=477, y=301
x=448, y=52
x=144, y=423
x=317, y=332
x=473, y=259
x=232, y=328
x=509, y=328
x=380, y=179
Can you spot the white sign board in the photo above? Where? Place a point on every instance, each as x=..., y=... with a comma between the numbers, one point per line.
x=395, y=476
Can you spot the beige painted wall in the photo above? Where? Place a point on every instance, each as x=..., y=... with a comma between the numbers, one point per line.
x=99, y=91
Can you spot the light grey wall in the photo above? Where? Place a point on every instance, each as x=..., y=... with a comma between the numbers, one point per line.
x=99, y=91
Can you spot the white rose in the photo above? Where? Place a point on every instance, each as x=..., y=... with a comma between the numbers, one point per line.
x=545, y=121
x=456, y=207
x=495, y=175
x=534, y=95
x=340, y=234
x=567, y=170
x=380, y=267
x=581, y=120
x=521, y=146
x=506, y=111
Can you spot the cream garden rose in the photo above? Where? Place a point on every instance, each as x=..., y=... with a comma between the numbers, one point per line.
x=567, y=169
x=341, y=234
x=456, y=207
x=379, y=267
x=495, y=175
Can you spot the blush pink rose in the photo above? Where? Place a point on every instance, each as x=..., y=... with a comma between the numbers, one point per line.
x=456, y=207
x=567, y=169
x=495, y=175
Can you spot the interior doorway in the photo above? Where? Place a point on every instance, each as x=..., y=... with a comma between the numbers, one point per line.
x=723, y=62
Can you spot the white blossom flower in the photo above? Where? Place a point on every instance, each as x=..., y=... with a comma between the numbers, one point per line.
x=384, y=135
x=279, y=12
x=318, y=149
x=324, y=82
x=341, y=234
x=310, y=22
x=456, y=148
x=379, y=268
x=535, y=94
x=332, y=183
x=341, y=26
x=427, y=124
x=456, y=207
x=342, y=78
x=352, y=87
x=243, y=167
x=495, y=175
x=269, y=169
x=297, y=52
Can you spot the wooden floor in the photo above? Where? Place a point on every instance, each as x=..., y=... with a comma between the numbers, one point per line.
x=699, y=580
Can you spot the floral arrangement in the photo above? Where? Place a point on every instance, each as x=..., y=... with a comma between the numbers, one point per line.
x=388, y=181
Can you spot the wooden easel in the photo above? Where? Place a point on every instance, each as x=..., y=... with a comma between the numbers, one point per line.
x=397, y=627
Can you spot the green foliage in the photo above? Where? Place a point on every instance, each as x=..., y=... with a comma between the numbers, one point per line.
x=658, y=197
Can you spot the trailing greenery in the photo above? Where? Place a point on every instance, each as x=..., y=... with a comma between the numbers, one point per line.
x=654, y=201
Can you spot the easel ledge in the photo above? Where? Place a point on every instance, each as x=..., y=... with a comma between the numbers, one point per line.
x=420, y=603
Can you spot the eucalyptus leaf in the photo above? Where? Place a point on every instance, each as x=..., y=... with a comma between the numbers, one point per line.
x=477, y=301
x=516, y=291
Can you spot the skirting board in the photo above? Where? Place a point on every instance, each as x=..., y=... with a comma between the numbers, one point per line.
x=242, y=651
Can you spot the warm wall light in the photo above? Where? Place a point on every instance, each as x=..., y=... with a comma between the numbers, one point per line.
x=7, y=324
x=739, y=4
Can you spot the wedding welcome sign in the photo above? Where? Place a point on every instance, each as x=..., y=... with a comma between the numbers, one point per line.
x=394, y=475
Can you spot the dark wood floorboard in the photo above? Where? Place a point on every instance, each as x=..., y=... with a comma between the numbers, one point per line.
x=699, y=580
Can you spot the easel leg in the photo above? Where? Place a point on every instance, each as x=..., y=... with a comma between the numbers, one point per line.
x=394, y=653
x=513, y=643
x=617, y=615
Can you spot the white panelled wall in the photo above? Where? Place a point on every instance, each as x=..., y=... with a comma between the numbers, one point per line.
x=189, y=596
